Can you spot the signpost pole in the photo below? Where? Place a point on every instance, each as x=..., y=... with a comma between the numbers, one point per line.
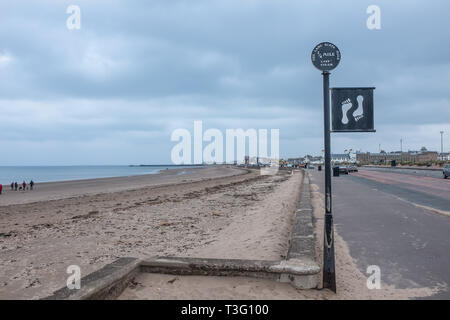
x=325, y=57
x=329, y=276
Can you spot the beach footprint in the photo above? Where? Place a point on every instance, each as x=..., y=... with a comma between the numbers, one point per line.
x=358, y=113
x=346, y=105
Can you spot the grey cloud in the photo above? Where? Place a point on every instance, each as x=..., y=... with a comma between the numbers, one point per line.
x=155, y=65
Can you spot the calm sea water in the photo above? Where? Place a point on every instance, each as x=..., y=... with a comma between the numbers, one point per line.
x=63, y=173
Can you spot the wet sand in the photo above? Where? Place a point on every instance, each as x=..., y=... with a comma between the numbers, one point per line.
x=65, y=189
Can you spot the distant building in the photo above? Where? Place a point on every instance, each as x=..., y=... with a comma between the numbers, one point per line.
x=427, y=156
x=262, y=161
x=295, y=161
x=384, y=157
x=313, y=159
x=444, y=156
x=306, y=159
x=316, y=160
x=340, y=157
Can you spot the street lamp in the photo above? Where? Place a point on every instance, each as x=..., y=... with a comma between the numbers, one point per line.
x=442, y=142
x=401, y=150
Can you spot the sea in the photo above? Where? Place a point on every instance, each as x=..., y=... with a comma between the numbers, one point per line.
x=10, y=174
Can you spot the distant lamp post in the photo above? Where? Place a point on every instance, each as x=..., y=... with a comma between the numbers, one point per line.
x=401, y=150
x=442, y=142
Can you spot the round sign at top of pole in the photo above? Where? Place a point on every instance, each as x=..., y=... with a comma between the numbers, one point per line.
x=325, y=56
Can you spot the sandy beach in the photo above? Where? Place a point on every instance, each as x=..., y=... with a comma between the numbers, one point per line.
x=205, y=212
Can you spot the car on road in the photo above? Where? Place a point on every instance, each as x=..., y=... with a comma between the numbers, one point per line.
x=446, y=171
x=310, y=166
x=343, y=169
x=352, y=169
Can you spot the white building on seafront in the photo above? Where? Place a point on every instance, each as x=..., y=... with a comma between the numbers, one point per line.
x=444, y=156
x=340, y=157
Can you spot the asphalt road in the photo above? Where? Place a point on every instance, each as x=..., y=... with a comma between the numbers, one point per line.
x=414, y=172
x=375, y=213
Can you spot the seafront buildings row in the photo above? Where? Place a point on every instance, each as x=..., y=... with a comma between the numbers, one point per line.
x=410, y=157
x=413, y=157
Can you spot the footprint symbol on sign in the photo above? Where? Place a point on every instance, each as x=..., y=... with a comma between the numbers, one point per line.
x=346, y=105
x=358, y=113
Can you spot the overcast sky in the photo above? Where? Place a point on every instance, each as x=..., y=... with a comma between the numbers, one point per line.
x=113, y=91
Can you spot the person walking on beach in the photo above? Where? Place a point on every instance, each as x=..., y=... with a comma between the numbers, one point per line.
x=12, y=186
x=16, y=185
x=31, y=184
x=1, y=188
x=24, y=184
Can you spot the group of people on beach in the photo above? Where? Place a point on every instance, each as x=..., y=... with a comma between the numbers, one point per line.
x=21, y=187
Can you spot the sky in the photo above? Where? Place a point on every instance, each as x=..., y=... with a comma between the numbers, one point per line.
x=113, y=91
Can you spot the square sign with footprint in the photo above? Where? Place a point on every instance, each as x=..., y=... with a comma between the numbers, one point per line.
x=352, y=109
